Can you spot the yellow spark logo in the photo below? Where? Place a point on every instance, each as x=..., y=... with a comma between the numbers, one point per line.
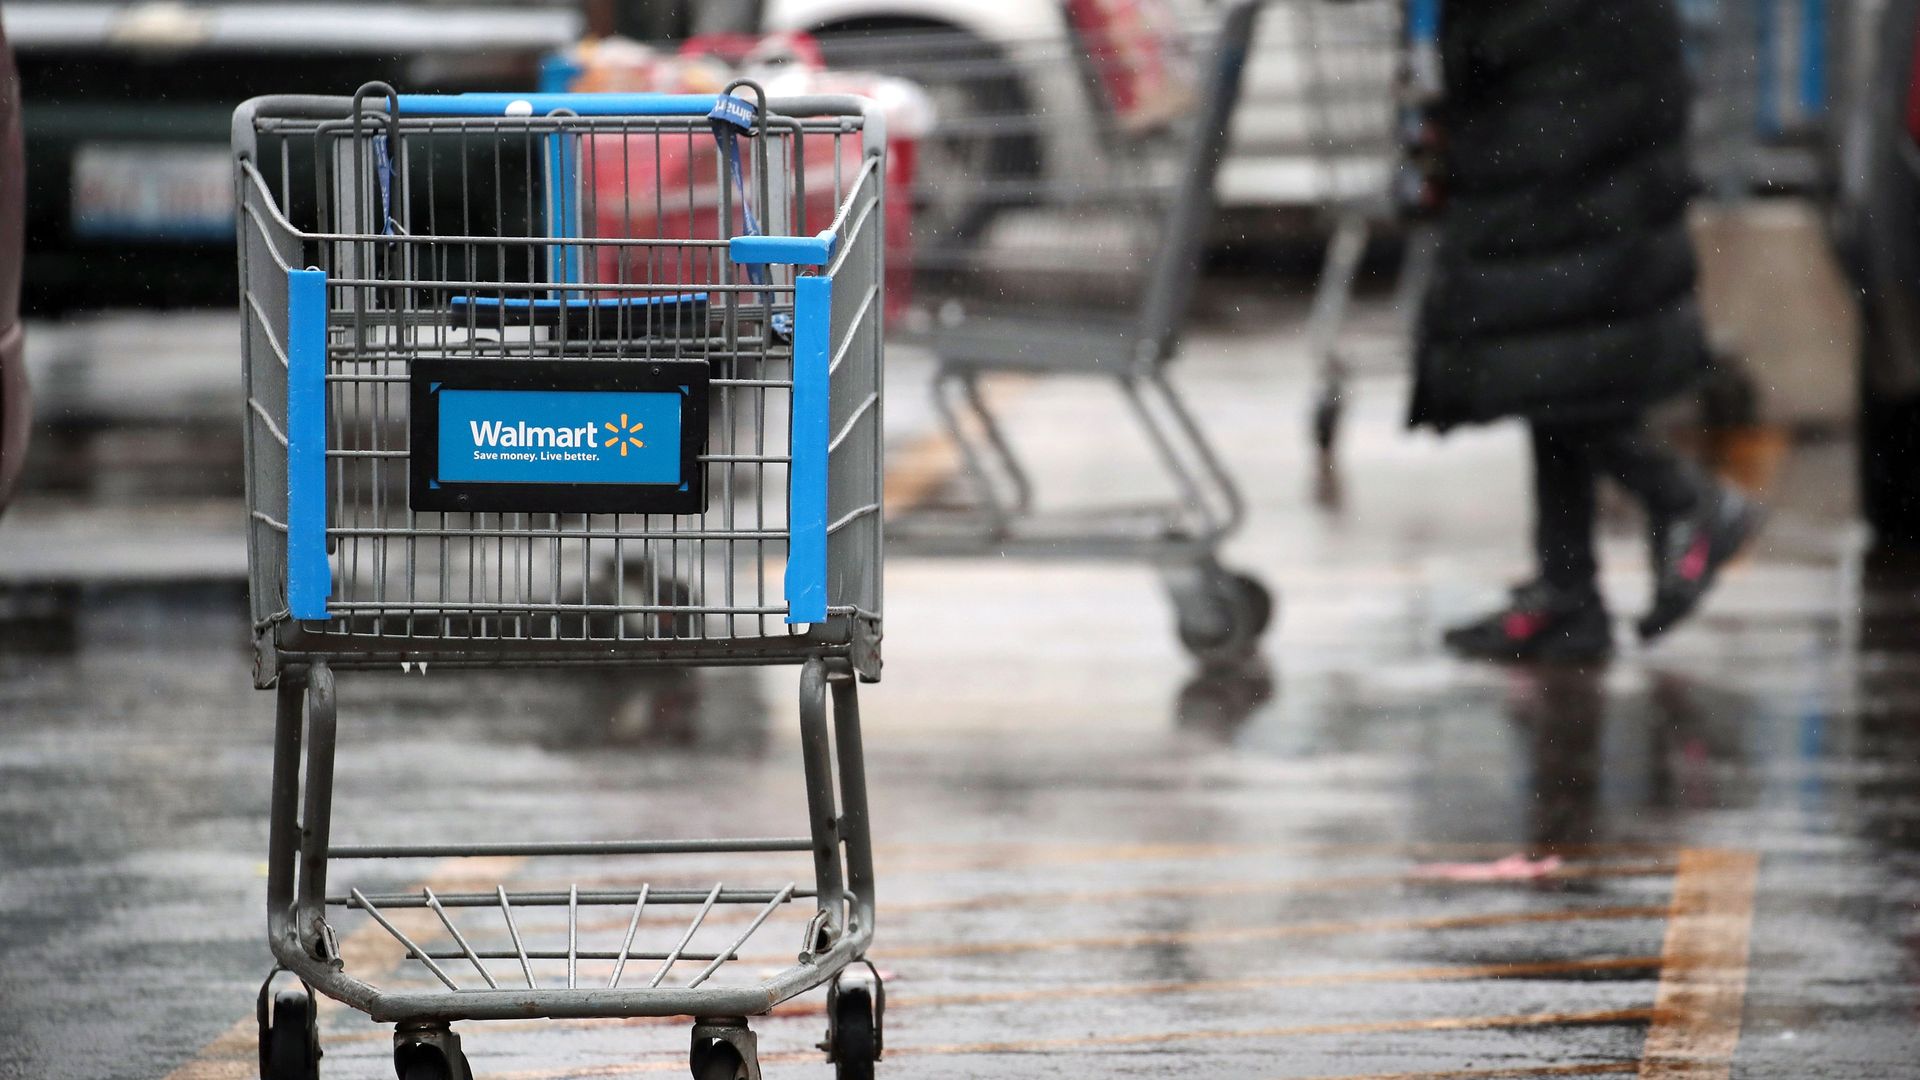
x=623, y=435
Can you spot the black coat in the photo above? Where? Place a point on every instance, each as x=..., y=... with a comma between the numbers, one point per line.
x=1564, y=284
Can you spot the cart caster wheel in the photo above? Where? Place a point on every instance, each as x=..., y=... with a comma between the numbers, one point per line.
x=724, y=1049
x=290, y=1038
x=1220, y=621
x=428, y=1052
x=720, y=1061
x=1326, y=421
x=853, y=1042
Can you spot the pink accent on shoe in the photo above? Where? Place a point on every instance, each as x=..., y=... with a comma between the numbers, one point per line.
x=1694, y=563
x=1521, y=625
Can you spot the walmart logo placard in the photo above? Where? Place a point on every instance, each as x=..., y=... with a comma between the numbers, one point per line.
x=563, y=437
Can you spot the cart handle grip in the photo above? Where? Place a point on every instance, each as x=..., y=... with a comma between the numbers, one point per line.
x=582, y=104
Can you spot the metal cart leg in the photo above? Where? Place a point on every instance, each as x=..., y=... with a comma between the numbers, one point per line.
x=816, y=752
x=1003, y=450
x=1207, y=489
x=316, y=820
x=1326, y=317
x=856, y=1008
x=998, y=510
x=289, y=1027
x=283, y=828
x=1202, y=518
x=855, y=828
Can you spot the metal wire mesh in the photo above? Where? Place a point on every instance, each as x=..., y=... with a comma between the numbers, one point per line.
x=440, y=240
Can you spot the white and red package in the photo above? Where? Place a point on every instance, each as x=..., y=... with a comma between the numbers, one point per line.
x=1140, y=66
x=669, y=187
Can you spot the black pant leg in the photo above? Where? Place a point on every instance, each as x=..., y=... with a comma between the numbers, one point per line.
x=1667, y=484
x=1563, y=506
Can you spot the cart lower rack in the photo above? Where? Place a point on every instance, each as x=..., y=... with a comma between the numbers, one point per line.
x=493, y=422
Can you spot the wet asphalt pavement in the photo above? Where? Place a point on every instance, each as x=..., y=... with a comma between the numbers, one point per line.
x=1359, y=858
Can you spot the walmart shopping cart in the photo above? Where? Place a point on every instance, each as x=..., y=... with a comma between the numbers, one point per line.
x=488, y=427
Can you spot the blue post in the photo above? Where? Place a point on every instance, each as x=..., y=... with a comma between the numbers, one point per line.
x=807, y=476
x=309, y=578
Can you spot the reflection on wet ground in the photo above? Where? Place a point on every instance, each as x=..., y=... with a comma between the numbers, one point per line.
x=1354, y=858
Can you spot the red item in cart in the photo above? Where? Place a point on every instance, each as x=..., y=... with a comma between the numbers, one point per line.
x=1138, y=65
x=629, y=178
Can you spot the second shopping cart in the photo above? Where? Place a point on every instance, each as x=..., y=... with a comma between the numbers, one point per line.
x=1078, y=267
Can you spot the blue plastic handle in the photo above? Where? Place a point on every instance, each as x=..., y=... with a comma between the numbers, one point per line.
x=543, y=104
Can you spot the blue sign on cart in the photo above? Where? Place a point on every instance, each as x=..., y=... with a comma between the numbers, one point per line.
x=565, y=437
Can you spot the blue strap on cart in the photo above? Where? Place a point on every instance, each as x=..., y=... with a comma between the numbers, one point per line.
x=383, y=173
x=733, y=117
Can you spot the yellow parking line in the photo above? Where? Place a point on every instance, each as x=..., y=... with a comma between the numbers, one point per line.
x=1463, y=973
x=1149, y=1038
x=898, y=861
x=1598, y=1068
x=1356, y=1027
x=1359, y=883
x=1283, y=887
x=1703, y=972
x=1268, y=933
x=990, y=855
x=1460, y=973
x=370, y=950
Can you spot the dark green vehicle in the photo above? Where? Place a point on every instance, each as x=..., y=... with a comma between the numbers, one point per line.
x=127, y=109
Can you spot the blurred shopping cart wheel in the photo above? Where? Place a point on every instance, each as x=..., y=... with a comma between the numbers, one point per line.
x=1222, y=614
x=1327, y=410
x=720, y=1061
x=854, y=1038
x=426, y=1050
x=290, y=1041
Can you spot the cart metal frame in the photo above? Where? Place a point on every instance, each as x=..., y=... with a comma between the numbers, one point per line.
x=344, y=574
x=1221, y=613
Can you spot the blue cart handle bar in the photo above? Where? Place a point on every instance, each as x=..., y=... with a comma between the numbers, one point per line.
x=543, y=104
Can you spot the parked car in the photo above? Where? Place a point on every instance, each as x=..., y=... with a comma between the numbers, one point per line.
x=129, y=178
x=1319, y=84
x=1877, y=223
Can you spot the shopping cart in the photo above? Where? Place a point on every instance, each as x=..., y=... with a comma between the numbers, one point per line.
x=1375, y=72
x=466, y=449
x=1081, y=269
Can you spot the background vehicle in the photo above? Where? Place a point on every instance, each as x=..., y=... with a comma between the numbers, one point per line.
x=15, y=413
x=960, y=50
x=129, y=183
x=1878, y=229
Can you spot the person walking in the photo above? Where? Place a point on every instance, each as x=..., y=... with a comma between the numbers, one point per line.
x=1563, y=294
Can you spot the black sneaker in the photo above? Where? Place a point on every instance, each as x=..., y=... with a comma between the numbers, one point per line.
x=1541, y=623
x=1688, y=554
